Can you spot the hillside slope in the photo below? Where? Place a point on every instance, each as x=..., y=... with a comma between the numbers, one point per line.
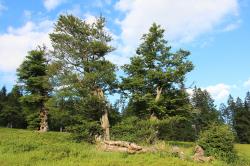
x=23, y=147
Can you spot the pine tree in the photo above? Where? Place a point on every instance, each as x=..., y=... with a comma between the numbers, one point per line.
x=155, y=77
x=231, y=111
x=80, y=68
x=3, y=98
x=239, y=117
x=204, y=109
x=12, y=114
x=32, y=74
x=3, y=94
x=247, y=101
x=242, y=121
x=225, y=114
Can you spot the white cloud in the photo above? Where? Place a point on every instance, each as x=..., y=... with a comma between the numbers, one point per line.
x=15, y=43
x=124, y=5
x=190, y=91
x=52, y=4
x=247, y=83
x=89, y=18
x=184, y=20
x=219, y=91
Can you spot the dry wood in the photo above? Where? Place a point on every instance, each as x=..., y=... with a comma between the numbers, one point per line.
x=121, y=146
x=199, y=155
x=157, y=98
x=158, y=94
x=128, y=145
x=104, y=119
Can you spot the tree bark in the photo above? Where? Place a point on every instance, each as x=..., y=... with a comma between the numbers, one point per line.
x=122, y=146
x=158, y=94
x=157, y=98
x=44, y=127
x=104, y=119
x=125, y=144
x=105, y=125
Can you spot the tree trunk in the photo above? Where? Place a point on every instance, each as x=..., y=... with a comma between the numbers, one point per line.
x=104, y=119
x=105, y=125
x=44, y=119
x=9, y=125
x=158, y=94
x=157, y=98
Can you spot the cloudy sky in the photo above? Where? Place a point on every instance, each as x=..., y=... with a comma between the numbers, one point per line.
x=217, y=32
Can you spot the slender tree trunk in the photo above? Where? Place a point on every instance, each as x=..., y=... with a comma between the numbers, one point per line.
x=104, y=119
x=157, y=98
x=158, y=94
x=105, y=125
x=44, y=119
x=9, y=125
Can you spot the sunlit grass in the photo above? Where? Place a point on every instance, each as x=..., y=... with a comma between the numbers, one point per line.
x=29, y=148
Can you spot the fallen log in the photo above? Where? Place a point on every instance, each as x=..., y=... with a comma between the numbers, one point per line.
x=126, y=144
x=121, y=146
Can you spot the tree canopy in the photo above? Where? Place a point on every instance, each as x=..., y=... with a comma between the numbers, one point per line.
x=155, y=77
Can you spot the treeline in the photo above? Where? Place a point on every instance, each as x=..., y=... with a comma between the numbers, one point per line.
x=67, y=89
x=236, y=114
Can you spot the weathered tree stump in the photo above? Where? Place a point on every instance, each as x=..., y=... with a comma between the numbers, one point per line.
x=199, y=155
x=177, y=151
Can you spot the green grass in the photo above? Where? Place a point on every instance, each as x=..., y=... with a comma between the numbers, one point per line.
x=23, y=147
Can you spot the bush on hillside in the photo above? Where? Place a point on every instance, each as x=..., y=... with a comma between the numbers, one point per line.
x=176, y=129
x=85, y=131
x=146, y=131
x=135, y=130
x=218, y=141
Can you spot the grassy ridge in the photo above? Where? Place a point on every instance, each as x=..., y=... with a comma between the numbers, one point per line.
x=23, y=147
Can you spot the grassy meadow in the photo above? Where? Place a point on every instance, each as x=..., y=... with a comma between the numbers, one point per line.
x=29, y=148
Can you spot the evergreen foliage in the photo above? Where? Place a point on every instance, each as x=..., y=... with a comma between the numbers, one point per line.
x=204, y=109
x=218, y=141
x=11, y=112
x=155, y=78
x=79, y=68
x=33, y=77
x=237, y=115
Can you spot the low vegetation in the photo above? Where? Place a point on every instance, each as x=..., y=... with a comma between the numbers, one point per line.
x=218, y=141
x=29, y=148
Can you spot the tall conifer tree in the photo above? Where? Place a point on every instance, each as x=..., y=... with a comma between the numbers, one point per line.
x=80, y=66
x=155, y=77
x=32, y=74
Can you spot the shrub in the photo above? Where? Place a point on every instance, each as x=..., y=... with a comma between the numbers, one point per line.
x=134, y=130
x=176, y=129
x=33, y=121
x=145, y=131
x=218, y=141
x=85, y=131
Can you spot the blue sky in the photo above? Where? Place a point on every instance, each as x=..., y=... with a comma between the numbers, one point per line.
x=217, y=32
